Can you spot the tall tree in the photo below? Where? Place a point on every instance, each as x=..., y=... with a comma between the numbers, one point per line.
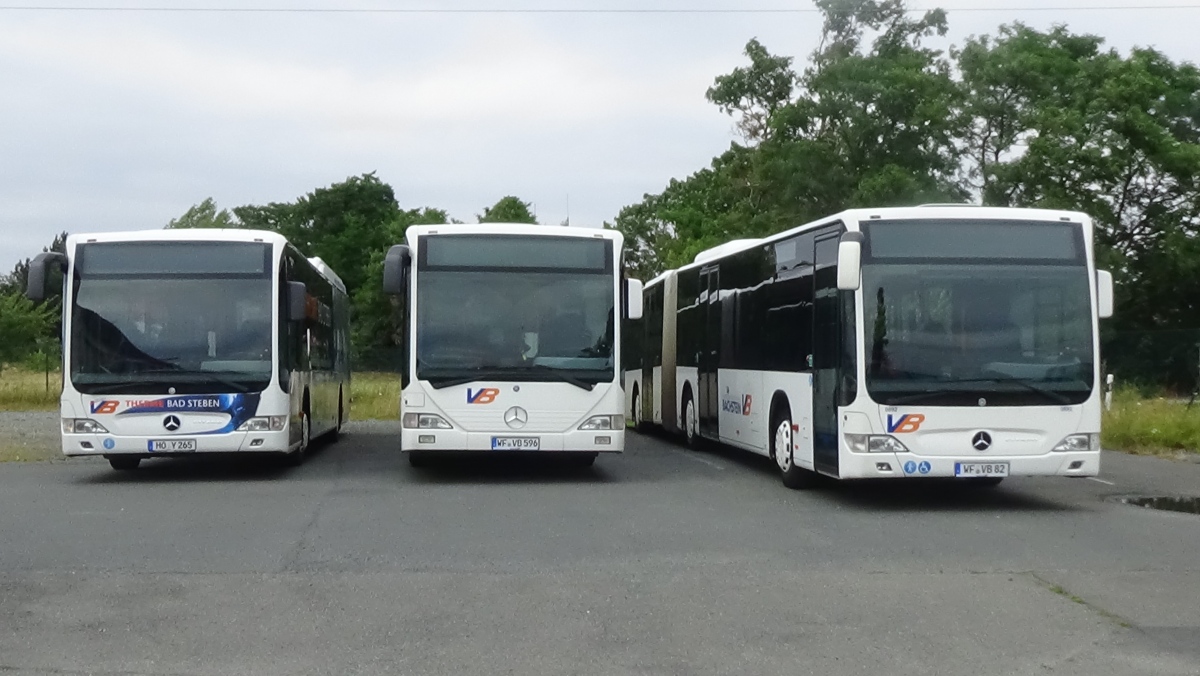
x=508, y=210
x=204, y=215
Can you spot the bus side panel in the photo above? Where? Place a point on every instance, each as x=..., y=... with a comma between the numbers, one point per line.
x=670, y=392
x=741, y=395
x=656, y=381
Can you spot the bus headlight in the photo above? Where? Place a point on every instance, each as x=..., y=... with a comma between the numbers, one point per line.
x=425, y=421
x=1078, y=442
x=603, y=422
x=874, y=443
x=271, y=423
x=82, y=426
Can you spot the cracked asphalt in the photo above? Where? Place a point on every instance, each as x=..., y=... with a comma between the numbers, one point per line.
x=660, y=561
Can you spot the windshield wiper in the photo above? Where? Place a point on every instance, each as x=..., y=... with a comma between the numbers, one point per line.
x=442, y=382
x=930, y=394
x=1031, y=386
x=191, y=378
x=565, y=376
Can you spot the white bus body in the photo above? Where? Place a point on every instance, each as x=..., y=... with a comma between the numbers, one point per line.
x=183, y=342
x=513, y=339
x=887, y=343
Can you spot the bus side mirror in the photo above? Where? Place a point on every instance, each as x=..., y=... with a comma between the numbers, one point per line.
x=1104, y=294
x=849, y=270
x=395, y=269
x=297, y=301
x=633, y=302
x=35, y=288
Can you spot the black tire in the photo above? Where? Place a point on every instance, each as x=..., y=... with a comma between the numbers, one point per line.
x=581, y=459
x=691, y=432
x=298, y=456
x=337, y=429
x=636, y=410
x=794, y=476
x=124, y=463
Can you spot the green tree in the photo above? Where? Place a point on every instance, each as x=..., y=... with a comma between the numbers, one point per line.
x=755, y=92
x=204, y=215
x=508, y=210
x=23, y=326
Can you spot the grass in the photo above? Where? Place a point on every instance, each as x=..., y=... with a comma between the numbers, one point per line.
x=1151, y=425
x=24, y=390
x=375, y=396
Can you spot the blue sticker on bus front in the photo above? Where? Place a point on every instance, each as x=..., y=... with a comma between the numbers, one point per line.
x=924, y=468
x=910, y=467
x=109, y=444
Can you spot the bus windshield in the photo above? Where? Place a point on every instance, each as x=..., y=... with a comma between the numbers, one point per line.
x=977, y=313
x=516, y=321
x=194, y=316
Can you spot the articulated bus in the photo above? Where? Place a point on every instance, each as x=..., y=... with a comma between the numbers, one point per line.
x=936, y=341
x=185, y=342
x=512, y=339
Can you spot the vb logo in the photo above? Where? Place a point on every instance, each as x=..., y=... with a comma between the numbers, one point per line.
x=103, y=407
x=746, y=405
x=484, y=395
x=906, y=423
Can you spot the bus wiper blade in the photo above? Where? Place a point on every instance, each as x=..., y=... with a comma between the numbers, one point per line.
x=918, y=396
x=441, y=383
x=1031, y=386
x=199, y=378
x=565, y=377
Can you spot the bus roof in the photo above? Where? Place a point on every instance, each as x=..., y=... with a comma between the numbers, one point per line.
x=180, y=235
x=327, y=272
x=512, y=229
x=853, y=217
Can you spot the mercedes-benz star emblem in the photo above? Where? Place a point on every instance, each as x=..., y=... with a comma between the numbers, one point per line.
x=982, y=441
x=516, y=417
x=171, y=423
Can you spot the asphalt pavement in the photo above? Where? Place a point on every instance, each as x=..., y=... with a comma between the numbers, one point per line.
x=659, y=561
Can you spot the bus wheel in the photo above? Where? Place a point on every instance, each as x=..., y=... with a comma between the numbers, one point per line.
x=296, y=457
x=689, y=421
x=635, y=413
x=124, y=463
x=794, y=476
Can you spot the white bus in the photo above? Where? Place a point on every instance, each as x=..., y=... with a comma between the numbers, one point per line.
x=512, y=339
x=937, y=341
x=197, y=341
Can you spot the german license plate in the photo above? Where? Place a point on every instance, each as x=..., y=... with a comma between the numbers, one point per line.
x=516, y=444
x=172, y=445
x=980, y=469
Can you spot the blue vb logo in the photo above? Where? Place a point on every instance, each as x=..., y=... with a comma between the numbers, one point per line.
x=910, y=422
x=484, y=395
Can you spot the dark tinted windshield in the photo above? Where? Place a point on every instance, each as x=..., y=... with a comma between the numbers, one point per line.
x=513, y=320
x=146, y=317
x=1011, y=329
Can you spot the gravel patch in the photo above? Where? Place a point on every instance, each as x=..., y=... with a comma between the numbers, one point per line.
x=31, y=435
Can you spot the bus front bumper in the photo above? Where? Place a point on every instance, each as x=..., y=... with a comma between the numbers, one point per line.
x=910, y=465
x=83, y=445
x=599, y=441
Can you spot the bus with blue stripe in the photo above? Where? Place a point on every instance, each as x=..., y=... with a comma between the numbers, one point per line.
x=193, y=342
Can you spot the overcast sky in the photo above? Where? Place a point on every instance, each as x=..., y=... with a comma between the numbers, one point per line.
x=123, y=120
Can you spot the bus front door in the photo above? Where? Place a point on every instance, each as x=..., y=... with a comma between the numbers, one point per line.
x=826, y=353
x=710, y=399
